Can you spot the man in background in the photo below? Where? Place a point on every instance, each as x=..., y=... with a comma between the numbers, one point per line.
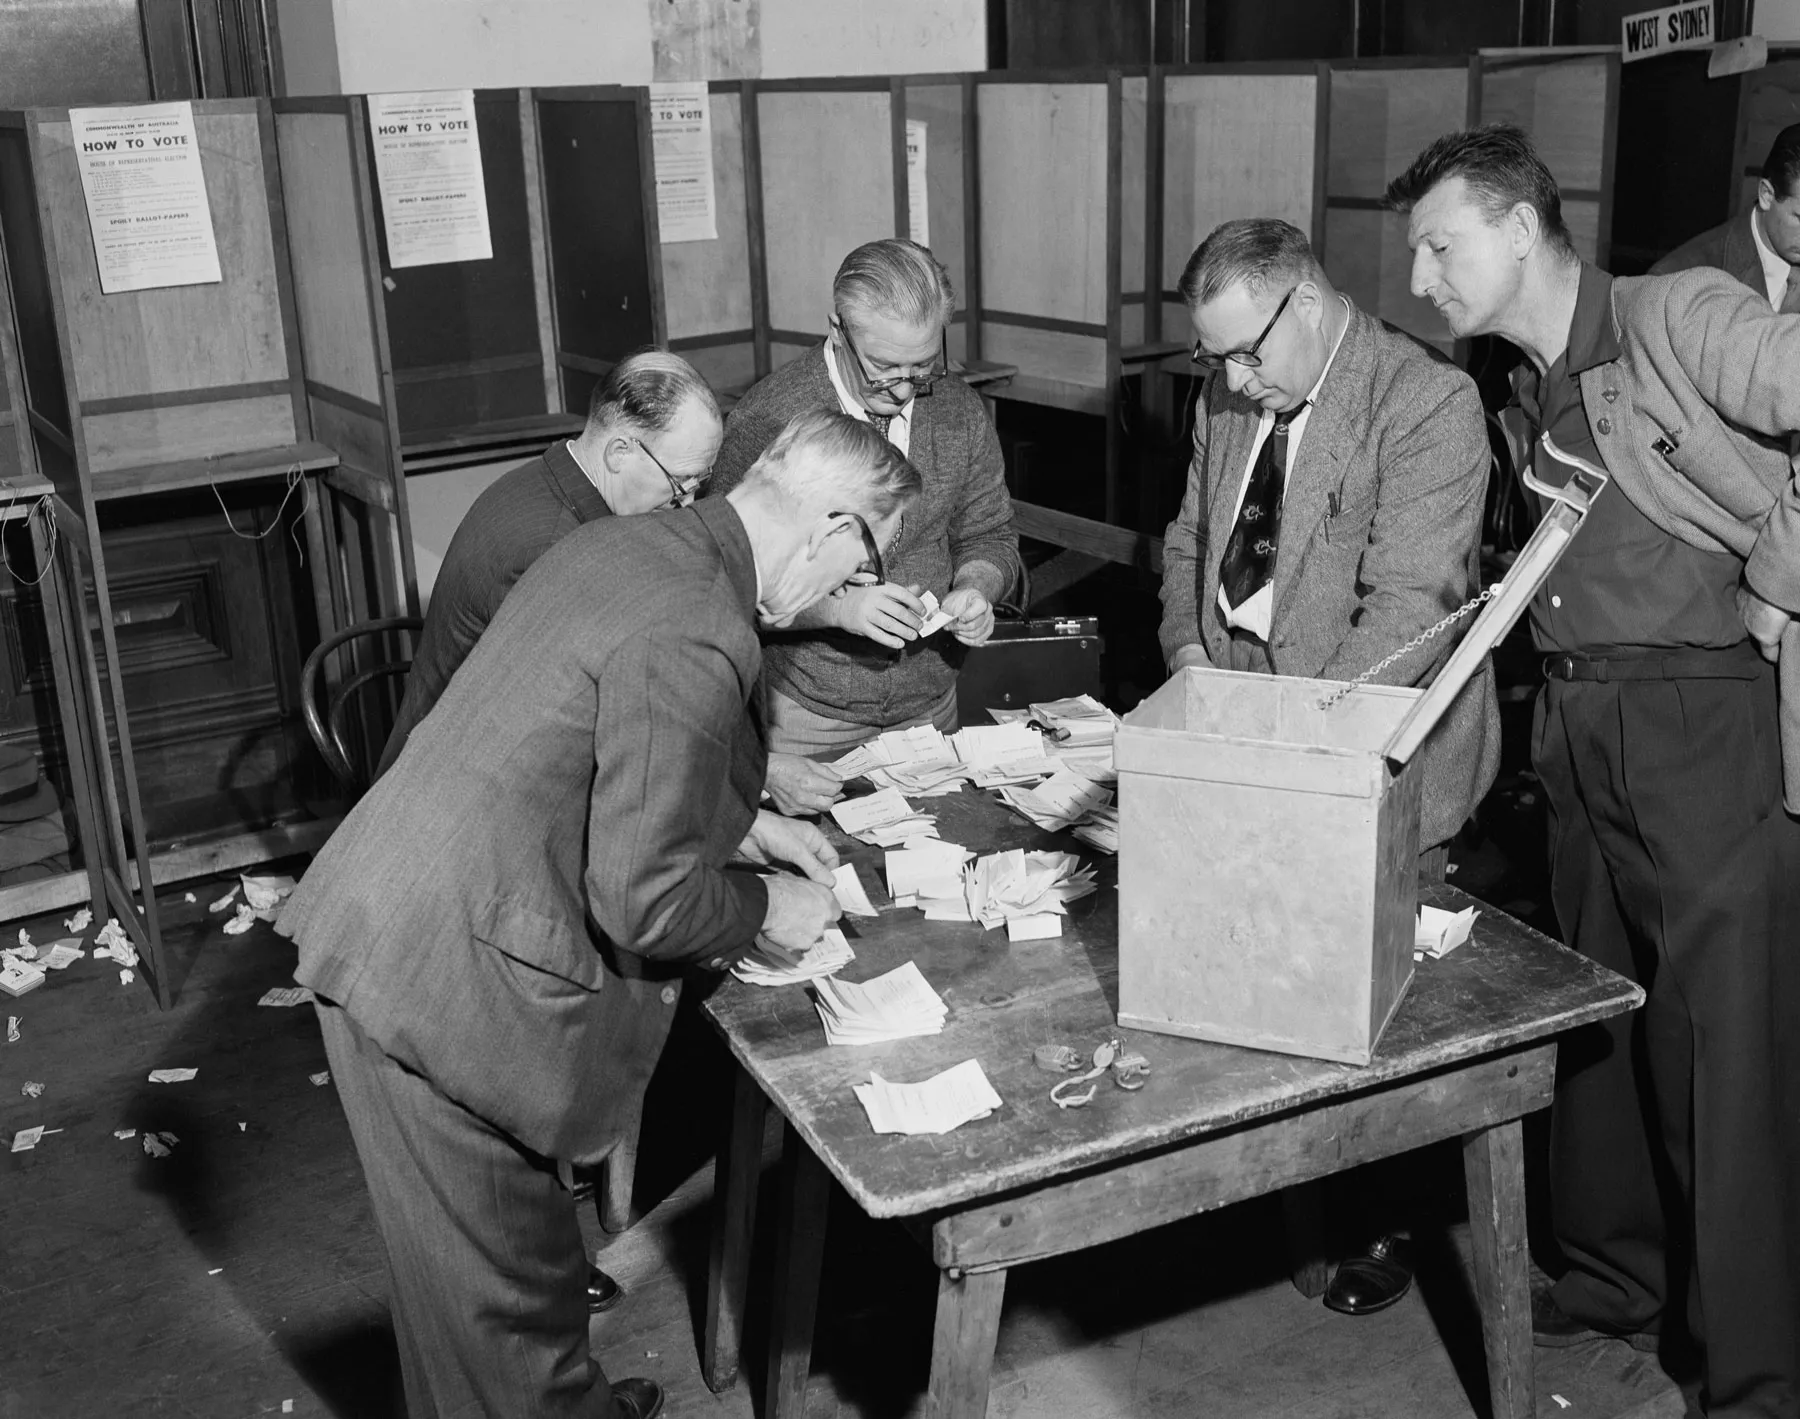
x=496, y=934
x=1333, y=514
x=1760, y=247
x=854, y=664
x=1659, y=742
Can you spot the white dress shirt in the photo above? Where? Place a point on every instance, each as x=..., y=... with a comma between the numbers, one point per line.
x=899, y=432
x=1775, y=269
x=1256, y=613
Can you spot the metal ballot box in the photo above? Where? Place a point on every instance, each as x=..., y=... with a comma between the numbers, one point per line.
x=1269, y=835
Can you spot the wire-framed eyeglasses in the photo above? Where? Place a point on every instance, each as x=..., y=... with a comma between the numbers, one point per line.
x=1248, y=358
x=681, y=493
x=921, y=382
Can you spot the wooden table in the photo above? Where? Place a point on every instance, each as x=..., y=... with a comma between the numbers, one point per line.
x=1470, y=1052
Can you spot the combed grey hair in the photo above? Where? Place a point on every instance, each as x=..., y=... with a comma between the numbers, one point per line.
x=647, y=391
x=896, y=278
x=824, y=460
x=1265, y=253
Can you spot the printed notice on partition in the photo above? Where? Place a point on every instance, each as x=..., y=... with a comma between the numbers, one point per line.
x=681, y=135
x=918, y=211
x=146, y=196
x=428, y=162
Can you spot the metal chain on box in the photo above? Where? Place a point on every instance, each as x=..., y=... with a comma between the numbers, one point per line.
x=1413, y=644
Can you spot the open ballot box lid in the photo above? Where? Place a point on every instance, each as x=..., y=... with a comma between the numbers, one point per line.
x=1269, y=836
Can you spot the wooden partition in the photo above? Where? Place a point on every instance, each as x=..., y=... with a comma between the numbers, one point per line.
x=1768, y=101
x=1568, y=101
x=1382, y=113
x=18, y=468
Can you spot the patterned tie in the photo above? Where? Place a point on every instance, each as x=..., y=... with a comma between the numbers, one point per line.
x=880, y=422
x=1249, y=561
x=1790, y=302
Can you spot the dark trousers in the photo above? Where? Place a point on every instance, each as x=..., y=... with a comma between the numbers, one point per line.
x=1673, y=1139
x=485, y=1257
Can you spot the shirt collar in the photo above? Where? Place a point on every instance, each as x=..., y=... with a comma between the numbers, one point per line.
x=1592, y=337
x=1775, y=266
x=572, y=485
x=848, y=402
x=1312, y=396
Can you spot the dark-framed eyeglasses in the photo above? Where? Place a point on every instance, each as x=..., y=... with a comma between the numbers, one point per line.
x=872, y=560
x=1249, y=358
x=921, y=383
x=680, y=493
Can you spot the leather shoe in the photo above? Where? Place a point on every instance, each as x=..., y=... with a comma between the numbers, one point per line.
x=636, y=1399
x=1556, y=1329
x=1373, y=1281
x=603, y=1292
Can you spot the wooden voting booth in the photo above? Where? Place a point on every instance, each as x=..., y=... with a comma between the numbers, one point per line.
x=147, y=392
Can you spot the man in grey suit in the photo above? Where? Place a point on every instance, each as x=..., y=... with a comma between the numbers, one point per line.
x=1760, y=247
x=1659, y=740
x=1333, y=514
x=497, y=932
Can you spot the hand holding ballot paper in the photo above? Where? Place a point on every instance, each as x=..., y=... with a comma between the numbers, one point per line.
x=800, y=908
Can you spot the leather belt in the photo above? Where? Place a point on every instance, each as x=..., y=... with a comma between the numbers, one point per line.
x=1738, y=662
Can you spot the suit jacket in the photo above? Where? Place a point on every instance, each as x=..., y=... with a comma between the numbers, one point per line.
x=1397, y=438
x=517, y=518
x=1728, y=246
x=960, y=523
x=1693, y=421
x=507, y=912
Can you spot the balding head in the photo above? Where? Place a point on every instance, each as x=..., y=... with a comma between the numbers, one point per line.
x=653, y=430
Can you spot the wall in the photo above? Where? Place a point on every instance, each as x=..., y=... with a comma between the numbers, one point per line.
x=369, y=46
x=71, y=52
x=1778, y=20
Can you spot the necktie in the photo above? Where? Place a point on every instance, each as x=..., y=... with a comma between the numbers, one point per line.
x=1249, y=561
x=1790, y=303
x=880, y=422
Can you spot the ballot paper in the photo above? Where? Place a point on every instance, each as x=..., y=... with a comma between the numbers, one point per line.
x=1077, y=721
x=172, y=1076
x=850, y=893
x=287, y=996
x=28, y=1138
x=895, y=1006
x=880, y=809
x=936, y=618
x=918, y=761
x=1099, y=828
x=1004, y=885
x=935, y=1105
x=927, y=867
x=769, y=964
x=58, y=955
x=1059, y=801
x=1438, y=933
x=1041, y=927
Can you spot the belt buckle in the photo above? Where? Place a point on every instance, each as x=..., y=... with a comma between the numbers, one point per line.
x=1559, y=667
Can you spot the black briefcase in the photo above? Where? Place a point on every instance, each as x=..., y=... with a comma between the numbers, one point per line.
x=1029, y=661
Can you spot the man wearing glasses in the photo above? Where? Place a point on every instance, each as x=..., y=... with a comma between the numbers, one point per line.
x=854, y=664
x=1333, y=513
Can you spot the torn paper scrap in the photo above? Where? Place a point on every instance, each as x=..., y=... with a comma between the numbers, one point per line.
x=243, y=921
x=849, y=890
x=27, y=1138
x=215, y=1271
x=114, y=945
x=935, y=1105
x=123, y=1133
x=321, y=1079
x=12, y=1029
x=263, y=893
x=172, y=1076
x=32, y=1089
x=24, y=938
x=224, y=901
x=189, y=897
x=81, y=921
x=159, y=1145
x=285, y=996
x=1438, y=932
x=1562, y=1403
x=127, y=977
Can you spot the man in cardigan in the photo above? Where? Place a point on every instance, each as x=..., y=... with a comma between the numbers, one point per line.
x=1333, y=514
x=1760, y=247
x=855, y=665
x=1676, y=1129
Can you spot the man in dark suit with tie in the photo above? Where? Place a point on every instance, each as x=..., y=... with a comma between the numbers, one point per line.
x=1760, y=247
x=496, y=934
x=1332, y=516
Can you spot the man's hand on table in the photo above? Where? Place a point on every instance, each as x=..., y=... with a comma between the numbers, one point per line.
x=774, y=840
x=971, y=616
x=799, y=912
x=886, y=613
x=798, y=786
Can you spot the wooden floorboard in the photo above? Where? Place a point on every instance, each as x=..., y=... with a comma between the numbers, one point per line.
x=244, y=1271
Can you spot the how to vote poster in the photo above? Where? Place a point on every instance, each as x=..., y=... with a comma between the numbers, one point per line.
x=146, y=196
x=681, y=138
x=428, y=163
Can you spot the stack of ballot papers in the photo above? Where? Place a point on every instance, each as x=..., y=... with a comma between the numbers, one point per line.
x=1028, y=891
x=928, y=873
x=1078, y=722
x=895, y=1006
x=1065, y=798
x=883, y=818
x=917, y=760
x=1438, y=933
x=1099, y=828
x=768, y=964
x=935, y=1105
x=996, y=754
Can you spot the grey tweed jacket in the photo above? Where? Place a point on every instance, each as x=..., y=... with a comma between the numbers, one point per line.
x=1380, y=537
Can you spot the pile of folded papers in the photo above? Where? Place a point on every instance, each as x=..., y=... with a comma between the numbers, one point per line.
x=768, y=964
x=935, y=1105
x=1437, y=932
x=928, y=873
x=895, y=1006
x=1027, y=891
x=1099, y=828
x=883, y=819
x=1060, y=801
x=918, y=761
